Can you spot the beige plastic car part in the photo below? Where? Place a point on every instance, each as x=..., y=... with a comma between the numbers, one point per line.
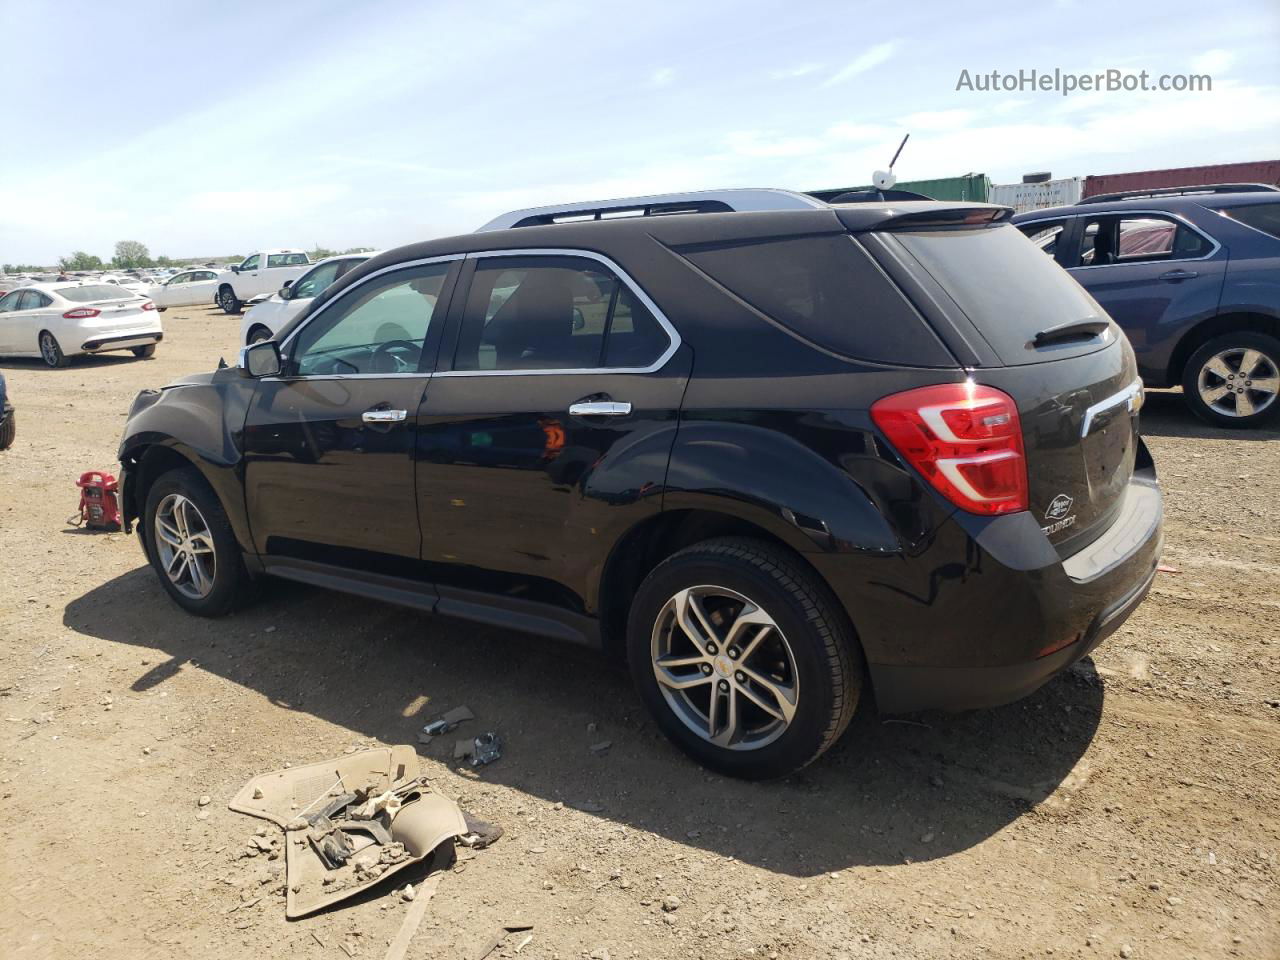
x=423, y=822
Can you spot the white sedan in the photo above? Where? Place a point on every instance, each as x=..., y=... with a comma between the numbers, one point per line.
x=56, y=321
x=264, y=319
x=187, y=289
x=132, y=284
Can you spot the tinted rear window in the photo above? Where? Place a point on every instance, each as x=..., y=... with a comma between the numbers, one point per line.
x=829, y=291
x=95, y=291
x=1260, y=216
x=1003, y=283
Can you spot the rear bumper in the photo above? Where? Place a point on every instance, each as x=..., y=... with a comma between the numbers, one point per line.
x=121, y=341
x=901, y=689
x=985, y=611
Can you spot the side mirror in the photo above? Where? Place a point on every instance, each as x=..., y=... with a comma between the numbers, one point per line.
x=236, y=268
x=260, y=359
x=285, y=292
x=579, y=321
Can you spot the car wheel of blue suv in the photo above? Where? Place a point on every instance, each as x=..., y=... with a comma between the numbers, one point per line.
x=1233, y=380
x=743, y=657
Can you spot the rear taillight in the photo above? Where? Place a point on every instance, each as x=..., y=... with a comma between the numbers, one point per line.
x=148, y=305
x=965, y=438
x=81, y=313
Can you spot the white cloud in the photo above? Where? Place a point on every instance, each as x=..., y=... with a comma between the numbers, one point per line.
x=754, y=143
x=662, y=77
x=938, y=119
x=1213, y=62
x=790, y=73
x=867, y=60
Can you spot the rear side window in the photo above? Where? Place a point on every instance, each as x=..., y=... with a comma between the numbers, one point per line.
x=1006, y=287
x=1260, y=216
x=554, y=313
x=286, y=259
x=828, y=291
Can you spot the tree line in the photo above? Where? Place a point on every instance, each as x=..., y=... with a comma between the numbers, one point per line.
x=131, y=255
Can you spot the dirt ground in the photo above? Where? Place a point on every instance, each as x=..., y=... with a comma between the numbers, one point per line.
x=1130, y=808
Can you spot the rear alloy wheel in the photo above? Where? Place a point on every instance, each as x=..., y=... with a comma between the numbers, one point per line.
x=1233, y=380
x=144, y=352
x=743, y=657
x=228, y=301
x=191, y=545
x=50, y=352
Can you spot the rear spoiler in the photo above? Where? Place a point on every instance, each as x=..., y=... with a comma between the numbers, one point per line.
x=911, y=216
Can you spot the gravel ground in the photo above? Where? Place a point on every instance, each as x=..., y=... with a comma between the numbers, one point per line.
x=1131, y=808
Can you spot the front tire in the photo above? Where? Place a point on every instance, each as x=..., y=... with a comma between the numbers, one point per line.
x=1233, y=380
x=258, y=335
x=50, y=352
x=191, y=545
x=145, y=352
x=743, y=657
x=228, y=300
x=8, y=430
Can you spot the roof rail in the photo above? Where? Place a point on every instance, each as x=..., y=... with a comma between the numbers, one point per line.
x=698, y=201
x=1182, y=191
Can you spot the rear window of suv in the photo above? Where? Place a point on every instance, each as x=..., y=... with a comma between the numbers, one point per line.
x=1260, y=216
x=828, y=291
x=1007, y=288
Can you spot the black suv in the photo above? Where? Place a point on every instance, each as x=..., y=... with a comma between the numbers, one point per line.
x=767, y=457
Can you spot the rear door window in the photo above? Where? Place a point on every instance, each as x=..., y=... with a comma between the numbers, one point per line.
x=554, y=313
x=1005, y=286
x=1139, y=238
x=827, y=291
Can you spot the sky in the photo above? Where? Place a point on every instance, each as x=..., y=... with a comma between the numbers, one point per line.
x=230, y=127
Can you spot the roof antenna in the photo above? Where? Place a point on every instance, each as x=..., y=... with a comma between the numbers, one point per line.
x=885, y=179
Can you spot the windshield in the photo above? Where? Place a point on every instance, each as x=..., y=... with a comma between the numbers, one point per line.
x=94, y=291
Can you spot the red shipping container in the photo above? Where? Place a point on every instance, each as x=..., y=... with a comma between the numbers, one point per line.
x=1265, y=171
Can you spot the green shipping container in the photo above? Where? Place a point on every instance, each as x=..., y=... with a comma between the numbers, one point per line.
x=973, y=187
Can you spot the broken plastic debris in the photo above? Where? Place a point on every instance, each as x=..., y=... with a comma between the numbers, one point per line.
x=486, y=748
x=448, y=721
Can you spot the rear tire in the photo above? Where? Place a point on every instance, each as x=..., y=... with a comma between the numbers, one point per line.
x=50, y=352
x=193, y=550
x=228, y=300
x=8, y=430
x=1233, y=380
x=804, y=653
x=145, y=352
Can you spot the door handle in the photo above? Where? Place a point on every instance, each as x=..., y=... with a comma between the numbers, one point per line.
x=384, y=416
x=1178, y=275
x=599, y=408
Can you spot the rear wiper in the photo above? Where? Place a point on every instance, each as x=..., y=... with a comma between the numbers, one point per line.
x=1071, y=331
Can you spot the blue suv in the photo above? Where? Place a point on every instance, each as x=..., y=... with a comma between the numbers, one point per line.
x=1192, y=275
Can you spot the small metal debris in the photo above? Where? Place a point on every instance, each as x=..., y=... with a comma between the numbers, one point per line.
x=486, y=748
x=601, y=747
x=448, y=721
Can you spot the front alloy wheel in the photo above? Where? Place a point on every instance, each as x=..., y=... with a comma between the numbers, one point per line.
x=191, y=545
x=185, y=546
x=724, y=668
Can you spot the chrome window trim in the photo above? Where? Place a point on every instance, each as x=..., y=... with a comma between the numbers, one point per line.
x=673, y=337
x=1125, y=396
x=1120, y=213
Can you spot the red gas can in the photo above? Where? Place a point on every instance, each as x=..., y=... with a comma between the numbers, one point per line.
x=99, y=509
